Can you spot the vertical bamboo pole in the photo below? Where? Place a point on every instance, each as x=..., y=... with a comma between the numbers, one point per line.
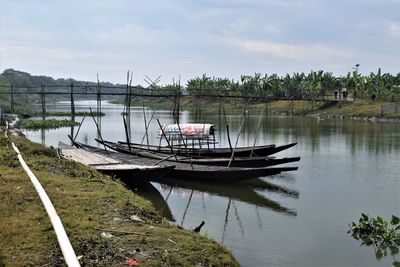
x=98, y=131
x=258, y=130
x=43, y=94
x=98, y=124
x=237, y=140
x=72, y=100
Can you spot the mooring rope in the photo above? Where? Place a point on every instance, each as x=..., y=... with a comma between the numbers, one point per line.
x=63, y=241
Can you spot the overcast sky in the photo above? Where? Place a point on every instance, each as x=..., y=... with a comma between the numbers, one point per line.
x=79, y=39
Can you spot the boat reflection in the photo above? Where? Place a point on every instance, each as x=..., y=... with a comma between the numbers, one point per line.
x=146, y=190
x=245, y=192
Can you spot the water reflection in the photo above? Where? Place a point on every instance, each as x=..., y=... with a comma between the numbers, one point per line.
x=148, y=191
x=245, y=192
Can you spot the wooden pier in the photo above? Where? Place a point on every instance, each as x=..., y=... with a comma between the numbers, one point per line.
x=107, y=164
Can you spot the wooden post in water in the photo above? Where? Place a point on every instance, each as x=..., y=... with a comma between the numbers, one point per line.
x=128, y=141
x=98, y=104
x=72, y=100
x=43, y=94
x=227, y=130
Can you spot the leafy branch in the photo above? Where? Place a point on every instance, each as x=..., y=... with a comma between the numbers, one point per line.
x=384, y=236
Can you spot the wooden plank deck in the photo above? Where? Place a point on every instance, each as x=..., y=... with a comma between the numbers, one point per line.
x=99, y=161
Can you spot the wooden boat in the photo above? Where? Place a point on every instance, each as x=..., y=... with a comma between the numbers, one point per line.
x=249, y=162
x=200, y=172
x=108, y=164
x=265, y=150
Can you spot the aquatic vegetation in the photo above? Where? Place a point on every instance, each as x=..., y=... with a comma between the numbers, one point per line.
x=67, y=113
x=384, y=236
x=47, y=124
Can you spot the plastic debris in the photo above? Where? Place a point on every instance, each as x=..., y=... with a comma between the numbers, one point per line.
x=131, y=262
x=136, y=218
x=106, y=235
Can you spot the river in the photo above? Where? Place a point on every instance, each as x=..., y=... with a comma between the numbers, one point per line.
x=299, y=218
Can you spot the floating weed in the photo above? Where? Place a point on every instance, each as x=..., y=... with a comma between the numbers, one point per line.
x=383, y=235
x=48, y=124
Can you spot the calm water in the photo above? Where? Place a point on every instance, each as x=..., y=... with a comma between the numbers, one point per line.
x=295, y=219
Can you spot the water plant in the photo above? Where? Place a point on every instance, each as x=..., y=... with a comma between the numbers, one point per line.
x=47, y=124
x=382, y=235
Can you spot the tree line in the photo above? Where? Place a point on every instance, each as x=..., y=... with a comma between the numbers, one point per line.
x=314, y=85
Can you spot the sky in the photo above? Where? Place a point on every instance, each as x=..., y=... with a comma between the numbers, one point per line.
x=180, y=40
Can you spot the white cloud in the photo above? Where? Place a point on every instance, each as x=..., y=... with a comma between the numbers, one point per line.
x=394, y=29
x=271, y=29
x=295, y=52
x=239, y=25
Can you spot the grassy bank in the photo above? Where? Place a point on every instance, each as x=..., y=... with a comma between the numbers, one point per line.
x=91, y=206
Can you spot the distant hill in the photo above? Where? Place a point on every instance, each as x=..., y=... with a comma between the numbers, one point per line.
x=25, y=82
x=22, y=79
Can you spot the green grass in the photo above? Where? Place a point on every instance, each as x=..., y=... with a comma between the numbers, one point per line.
x=87, y=201
x=47, y=124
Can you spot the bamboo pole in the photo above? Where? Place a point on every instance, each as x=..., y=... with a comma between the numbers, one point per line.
x=84, y=116
x=148, y=124
x=237, y=140
x=227, y=130
x=166, y=139
x=145, y=126
x=126, y=133
x=98, y=130
x=72, y=100
x=258, y=130
x=43, y=94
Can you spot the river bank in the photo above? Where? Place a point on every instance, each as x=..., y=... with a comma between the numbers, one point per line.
x=99, y=214
x=352, y=110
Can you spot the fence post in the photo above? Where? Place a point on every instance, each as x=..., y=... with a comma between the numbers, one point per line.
x=43, y=100
x=12, y=98
x=72, y=100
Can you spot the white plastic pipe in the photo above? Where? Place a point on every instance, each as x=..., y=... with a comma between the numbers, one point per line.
x=63, y=241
